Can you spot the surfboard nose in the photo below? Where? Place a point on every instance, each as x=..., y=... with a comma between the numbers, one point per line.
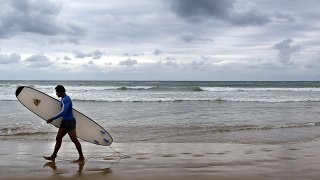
x=19, y=89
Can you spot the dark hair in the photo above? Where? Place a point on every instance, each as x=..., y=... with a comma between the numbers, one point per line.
x=60, y=88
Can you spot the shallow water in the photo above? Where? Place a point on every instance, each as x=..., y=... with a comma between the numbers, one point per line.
x=235, y=122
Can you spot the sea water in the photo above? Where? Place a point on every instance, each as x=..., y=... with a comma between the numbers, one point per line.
x=183, y=111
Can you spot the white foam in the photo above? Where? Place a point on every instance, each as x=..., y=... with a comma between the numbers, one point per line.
x=144, y=94
x=221, y=89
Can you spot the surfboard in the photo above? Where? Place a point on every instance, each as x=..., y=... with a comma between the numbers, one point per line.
x=46, y=107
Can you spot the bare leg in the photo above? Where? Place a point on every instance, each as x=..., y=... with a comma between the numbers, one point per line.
x=61, y=133
x=74, y=139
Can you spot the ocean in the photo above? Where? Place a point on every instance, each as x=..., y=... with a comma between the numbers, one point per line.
x=177, y=111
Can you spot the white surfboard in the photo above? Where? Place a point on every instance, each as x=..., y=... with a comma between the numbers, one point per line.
x=46, y=107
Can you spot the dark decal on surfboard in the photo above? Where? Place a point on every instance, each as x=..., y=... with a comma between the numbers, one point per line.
x=36, y=102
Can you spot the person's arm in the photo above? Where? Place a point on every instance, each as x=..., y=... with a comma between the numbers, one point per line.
x=66, y=103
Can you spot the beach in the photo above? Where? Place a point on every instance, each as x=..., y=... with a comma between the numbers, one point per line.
x=22, y=160
x=170, y=130
x=160, y=90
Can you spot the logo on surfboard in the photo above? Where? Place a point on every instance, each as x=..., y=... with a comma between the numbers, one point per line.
x=36, y=102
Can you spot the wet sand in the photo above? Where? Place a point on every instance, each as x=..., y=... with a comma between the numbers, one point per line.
x=21, y=160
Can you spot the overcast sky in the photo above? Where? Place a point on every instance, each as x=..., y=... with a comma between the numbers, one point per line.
x=160, y=39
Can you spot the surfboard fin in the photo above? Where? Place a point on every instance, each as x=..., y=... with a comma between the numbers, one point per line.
x=97, y=142
x=103, y=132
x=106, y=141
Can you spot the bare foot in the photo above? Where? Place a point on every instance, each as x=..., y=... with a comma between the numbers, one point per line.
x=80, y=160
x=50, y=158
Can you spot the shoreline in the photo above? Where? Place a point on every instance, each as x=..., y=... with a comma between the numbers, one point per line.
x=19, y=160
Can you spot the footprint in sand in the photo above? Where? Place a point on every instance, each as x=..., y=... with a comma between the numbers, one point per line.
x=186, y=153
x=110, y=158
x=210, y=153
x=142, y=158
x=141, y=154
x=266, y=150
x=168, y=155
x=287, y=158
x=249, y=152
x=224, y=152
x=198, y=155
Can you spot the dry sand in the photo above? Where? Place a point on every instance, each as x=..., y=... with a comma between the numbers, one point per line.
x=21, y=160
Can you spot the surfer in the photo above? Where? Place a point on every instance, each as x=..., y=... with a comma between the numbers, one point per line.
x=68, y=125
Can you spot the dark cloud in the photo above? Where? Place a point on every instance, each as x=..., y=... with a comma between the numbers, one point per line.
x=197, y=64
x=204, y=63
x=97, y=54
x=66, y=58
x=38, y=61
x=286, y=49
x=191, y=38
x=133, y=54
x=196, y=9
x=206, y=58
x=253, y=16
x=137, y=54
x=37, y=17
x=170, y=58
x=164, y=66
x=128, y=62
x=171, y=63
x=284, y=17
x=79, y=54
x=9, y=59
x=157, y=52
x=225, y=10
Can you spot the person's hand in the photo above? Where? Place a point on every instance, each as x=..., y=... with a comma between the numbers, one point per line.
x=49, y=121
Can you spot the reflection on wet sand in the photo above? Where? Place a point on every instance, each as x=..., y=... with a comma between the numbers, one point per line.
x=79, y=172
x=51, y=164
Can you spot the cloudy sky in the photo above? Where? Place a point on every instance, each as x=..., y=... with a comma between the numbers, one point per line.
x=160, y=39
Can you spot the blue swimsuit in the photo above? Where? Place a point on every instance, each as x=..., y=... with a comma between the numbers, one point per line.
x=66, y=110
